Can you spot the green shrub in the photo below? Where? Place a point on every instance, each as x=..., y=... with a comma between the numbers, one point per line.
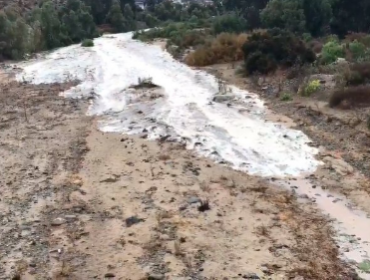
x=331, y=51
x=230, y=23
x=357, y=50
x=286, y=97
x=265, y=51
x=87, y=43
x=311, y=88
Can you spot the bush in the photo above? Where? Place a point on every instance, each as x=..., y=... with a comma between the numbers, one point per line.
x=224, y=48
x=265, y=51
x=357, y=49
x=311, y=88
x=286, y=97
x=354, y=95
x=331, y=51
x=230, y=23
x=87, y=43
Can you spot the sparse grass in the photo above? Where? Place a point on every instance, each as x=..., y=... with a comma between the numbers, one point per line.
x=364, y=266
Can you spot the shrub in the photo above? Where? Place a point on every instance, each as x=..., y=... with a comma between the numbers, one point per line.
x=264, y=52
x=286, y=97
x=224, y=48
x=311, y=88
x=359, y=73
x=331, y=51
x=87, y=43
x=230, y=23
x=354, y=95
x=357, y=49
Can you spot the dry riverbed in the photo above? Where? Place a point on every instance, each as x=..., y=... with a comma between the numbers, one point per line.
x=77, y=203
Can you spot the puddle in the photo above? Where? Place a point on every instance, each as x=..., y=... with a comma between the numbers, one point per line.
x=352, y=225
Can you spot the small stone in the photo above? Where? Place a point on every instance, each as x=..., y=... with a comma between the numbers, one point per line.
x=251, y=276
x=32, y=264
x=70, y=217
x=193, y=199
x=183, y=207
x=304, y=196
x=109, y=275
x=58, y=221
x=133, y=220
x=155, y=276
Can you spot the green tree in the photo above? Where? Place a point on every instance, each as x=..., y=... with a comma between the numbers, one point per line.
x=285, y=14
x=129, y=16
x=231, y=23
x=318, y=14
x=115, y=17
x=50, y=25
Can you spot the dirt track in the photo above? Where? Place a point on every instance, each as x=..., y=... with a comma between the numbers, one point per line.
x=80, y=204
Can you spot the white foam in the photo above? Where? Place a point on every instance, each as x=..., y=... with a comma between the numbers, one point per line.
x=108, y=69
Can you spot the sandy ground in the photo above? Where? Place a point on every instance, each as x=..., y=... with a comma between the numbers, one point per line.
x=80, y=204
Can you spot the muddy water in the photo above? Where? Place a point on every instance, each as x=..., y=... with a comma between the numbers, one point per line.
x=352, y=225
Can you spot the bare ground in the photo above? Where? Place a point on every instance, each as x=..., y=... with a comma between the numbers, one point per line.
x=80, y=204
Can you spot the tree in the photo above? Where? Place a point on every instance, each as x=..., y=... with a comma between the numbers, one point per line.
x=115, y=17
x=129, y=16
x=284, y=14
x=231, y=23
x=50, y=25
x=318, y=14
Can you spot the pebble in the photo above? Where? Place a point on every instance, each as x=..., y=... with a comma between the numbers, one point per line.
x=109, y=275
x=155, y=276
x=57, y=222
x=251, y=276
x=193, y=199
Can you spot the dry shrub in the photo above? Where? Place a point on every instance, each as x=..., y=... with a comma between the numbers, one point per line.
x=353, y=95
x=357, y=74
x=316, y=46
x=225, y=47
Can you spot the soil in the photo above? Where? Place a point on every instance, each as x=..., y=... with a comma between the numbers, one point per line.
x=77, y=203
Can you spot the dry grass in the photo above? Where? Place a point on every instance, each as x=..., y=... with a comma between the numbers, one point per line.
x=224, y=48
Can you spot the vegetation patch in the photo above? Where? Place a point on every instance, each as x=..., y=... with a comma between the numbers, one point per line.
x=359, y=95
x=311, y=88
x=224, y=48
x=87, y=43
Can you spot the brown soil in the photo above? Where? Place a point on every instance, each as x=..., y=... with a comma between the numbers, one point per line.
x=80, y=204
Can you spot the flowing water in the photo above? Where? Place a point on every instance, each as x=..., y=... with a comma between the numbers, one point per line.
x=238, y=134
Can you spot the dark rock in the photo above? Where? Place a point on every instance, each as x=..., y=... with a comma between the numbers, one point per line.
x=251, y=276
x=109, y=275
x=133, y=220
x=204, y=206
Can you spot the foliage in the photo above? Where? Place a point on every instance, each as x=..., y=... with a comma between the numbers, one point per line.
x=354, y=95
x=87, y=43
x=357, y=49
x=265, y=51
x=331, y=51
x=224, y=48
x=286, y=97
x=115, y=17
x=231, y=23
x=284, y=14
x=311, y=88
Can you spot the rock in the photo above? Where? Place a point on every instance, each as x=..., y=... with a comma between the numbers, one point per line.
x=193, y=199
x=155, y=276
x=339, y=165
x=298, y=278
x=251, y=276
x=223, y=98
x=133, y=220
x=110, y=179
x=304, y=196
x=58, y=221
x=109, y=275
x=183, y=207
x=70, y=217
